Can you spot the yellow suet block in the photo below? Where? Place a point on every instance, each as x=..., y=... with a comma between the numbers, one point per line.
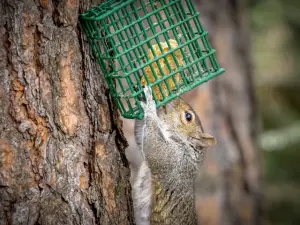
x=164, y=68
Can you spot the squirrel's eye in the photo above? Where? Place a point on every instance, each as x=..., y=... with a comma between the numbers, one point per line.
x=188, y=116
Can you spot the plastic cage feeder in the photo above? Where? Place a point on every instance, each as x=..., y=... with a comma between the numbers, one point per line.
x=161, y=44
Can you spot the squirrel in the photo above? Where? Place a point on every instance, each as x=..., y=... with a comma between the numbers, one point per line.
x=173, y=143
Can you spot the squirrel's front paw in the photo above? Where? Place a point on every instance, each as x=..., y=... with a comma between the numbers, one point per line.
x=150, y=106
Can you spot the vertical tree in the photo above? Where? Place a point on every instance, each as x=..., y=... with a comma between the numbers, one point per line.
x=61, y=144
x=230, y=186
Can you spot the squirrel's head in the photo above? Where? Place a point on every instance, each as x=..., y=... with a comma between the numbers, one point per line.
x=183, y=119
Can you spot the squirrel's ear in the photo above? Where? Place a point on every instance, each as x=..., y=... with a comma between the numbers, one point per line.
x=207, y=140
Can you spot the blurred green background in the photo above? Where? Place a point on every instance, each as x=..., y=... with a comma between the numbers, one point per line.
x=275, y=26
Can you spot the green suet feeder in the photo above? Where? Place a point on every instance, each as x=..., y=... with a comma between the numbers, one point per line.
x=161, y=44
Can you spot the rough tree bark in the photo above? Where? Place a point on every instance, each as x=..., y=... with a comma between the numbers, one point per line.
x=61, y=144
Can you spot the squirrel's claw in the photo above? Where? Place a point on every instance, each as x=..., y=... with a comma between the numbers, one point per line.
x=148, y=93
x=150, y=106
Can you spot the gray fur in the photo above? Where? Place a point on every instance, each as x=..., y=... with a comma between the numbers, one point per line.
x=142, y=192
x=163, y=191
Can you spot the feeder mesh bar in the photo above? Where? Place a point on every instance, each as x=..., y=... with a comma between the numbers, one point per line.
x=161, y=44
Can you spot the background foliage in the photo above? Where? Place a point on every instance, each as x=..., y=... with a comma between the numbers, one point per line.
x=275, y=28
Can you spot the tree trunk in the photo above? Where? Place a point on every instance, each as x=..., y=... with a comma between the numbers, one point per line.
x=61, y=145
x=230, y=187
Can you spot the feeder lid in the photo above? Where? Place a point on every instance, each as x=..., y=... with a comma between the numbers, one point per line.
x=104, y=9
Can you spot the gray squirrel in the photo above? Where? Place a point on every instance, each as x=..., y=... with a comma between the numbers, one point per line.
x=172, y=143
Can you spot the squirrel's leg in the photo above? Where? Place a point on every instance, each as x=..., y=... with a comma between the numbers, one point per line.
x=147, y=131
x=151, y=128
x=151, y=121
x=142, y=193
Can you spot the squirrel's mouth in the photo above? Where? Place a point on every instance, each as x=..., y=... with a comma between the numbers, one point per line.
x=196, y=143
